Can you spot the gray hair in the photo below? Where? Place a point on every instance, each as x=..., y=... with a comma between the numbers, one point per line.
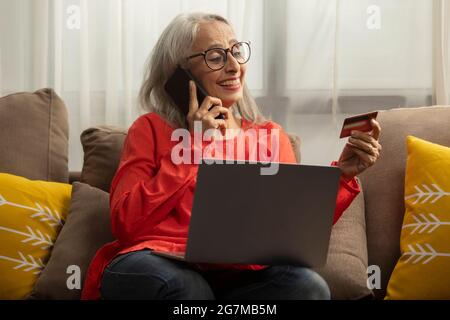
x=174, y=44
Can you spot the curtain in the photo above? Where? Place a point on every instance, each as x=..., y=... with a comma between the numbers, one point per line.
x=442, y=52
x=314, y=61
x=353, y=56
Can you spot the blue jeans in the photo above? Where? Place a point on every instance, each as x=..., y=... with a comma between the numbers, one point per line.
x=141, y=275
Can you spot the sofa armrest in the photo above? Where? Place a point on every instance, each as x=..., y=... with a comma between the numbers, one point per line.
x=74, y=176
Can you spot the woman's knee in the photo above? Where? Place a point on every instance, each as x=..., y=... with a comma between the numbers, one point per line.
x=310, y=285
x=116, y=286
x=187, y=284
x=142, y=275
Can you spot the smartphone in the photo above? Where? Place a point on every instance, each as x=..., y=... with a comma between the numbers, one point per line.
x=177, y=87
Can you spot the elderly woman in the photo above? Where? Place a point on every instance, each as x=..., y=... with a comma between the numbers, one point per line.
x=151, y=197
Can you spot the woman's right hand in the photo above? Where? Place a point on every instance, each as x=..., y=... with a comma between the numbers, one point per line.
x=207, y=112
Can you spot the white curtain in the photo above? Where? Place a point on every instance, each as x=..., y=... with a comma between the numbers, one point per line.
x=353, y=56
x=442, y=52
x=313, y=63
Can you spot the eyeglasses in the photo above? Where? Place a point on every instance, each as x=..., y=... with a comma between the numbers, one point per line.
x=216, y=58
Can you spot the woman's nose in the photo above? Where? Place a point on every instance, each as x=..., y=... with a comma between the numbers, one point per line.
x=231, y=65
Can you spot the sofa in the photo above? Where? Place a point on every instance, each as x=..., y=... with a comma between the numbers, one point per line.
x=34, y=131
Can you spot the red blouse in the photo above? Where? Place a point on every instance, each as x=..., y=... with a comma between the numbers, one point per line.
x=151, y=197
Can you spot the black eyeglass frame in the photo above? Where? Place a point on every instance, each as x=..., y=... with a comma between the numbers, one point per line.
x=204, y=53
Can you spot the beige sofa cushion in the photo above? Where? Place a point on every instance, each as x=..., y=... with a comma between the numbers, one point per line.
x=346, y=267
x=296, y=145
x=383, y=183
x=102, y=147
x=34, y=134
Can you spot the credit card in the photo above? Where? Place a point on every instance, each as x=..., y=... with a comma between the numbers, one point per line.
x=358, y=123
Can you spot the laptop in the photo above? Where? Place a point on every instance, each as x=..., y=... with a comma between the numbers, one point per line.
x=242, y=217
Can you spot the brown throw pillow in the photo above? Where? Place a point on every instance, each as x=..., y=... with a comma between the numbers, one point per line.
x=346, y=268
x=34, y=133
x=102, y=147
x=87, y=228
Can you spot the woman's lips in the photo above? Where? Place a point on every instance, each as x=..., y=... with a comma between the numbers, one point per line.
x=231, y=85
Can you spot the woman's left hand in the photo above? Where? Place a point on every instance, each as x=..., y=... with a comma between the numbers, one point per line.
x=361, y=151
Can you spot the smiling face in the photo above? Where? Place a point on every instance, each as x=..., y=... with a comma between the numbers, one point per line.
x=226, y=84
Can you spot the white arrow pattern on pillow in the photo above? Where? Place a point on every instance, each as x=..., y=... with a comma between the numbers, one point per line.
x=420, y=253
x=38, y=238
x=425, y=223
x=428, y=192
x=27, y=265
x=53, y=219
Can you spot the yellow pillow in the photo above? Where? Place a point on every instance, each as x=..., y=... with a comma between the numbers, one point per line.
x=31, y=216
x=423, y=270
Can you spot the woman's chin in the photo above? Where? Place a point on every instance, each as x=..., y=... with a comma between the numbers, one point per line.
x=230, y=100
x=228, y=103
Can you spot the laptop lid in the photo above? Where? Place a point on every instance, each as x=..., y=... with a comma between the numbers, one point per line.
x=240, y=216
